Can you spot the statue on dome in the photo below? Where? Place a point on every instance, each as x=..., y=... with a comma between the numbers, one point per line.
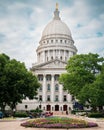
x=56, y=6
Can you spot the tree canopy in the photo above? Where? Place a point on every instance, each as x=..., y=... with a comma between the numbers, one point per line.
x=83, y=71
x=16, y=82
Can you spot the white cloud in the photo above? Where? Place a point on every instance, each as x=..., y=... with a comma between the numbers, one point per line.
x=22, y=23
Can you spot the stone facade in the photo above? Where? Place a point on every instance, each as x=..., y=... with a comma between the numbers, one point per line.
x=55, y=48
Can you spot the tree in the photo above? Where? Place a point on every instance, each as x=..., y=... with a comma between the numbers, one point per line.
x=81, y=72
x=3, y=61
x=95, y=91
x=17, y=84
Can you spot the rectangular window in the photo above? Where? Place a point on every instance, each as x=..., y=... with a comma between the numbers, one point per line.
x=56, y=77
x=40, y=77
x=40, y=88
x=56, y=98
x=48, y=97
x=48, y=77
x=64, y=98
x=40, y=97
x=48, y=87
x=26, y=106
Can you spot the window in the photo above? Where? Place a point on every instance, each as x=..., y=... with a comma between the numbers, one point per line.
x=61, y=58
x=65, y=41
x=56, y=98
x=56, y=88
x=26, y=106
x=40, y=77
x=48, y=77
x=40, y=88
x=40, y=97
x=56, y=40
x=51, y=57
x=56, y=77
x=48, y=87
x=51, y=41
x=61, y=41
x=48, y=97
x=64, y=98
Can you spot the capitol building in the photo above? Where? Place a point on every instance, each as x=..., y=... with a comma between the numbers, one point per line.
x=55, y=48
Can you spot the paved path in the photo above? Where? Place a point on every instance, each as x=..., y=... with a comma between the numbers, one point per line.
x=15, y=125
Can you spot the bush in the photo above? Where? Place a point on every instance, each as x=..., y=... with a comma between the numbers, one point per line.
x=37, y=110
x=77, y=111
x=20, y=114
x=96, y=115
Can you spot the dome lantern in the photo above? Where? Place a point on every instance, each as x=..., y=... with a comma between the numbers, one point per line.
x=56, y=13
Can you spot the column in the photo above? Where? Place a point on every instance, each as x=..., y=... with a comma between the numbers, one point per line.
x=48, y=56
x=60, y=93
x=64, y=55
x=53, y=54
x=59, y=54
x=52, y=88
x=44, y=88
x=44, y=56
x=69, y=97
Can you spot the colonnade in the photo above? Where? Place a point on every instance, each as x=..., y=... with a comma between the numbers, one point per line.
x=48, y=55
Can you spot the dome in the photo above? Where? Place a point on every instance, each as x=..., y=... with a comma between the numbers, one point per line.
x=56, y=27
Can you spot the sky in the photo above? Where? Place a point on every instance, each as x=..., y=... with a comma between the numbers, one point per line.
x=23, y=21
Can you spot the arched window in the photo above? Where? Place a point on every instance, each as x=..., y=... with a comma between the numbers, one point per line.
x=56, y=87
x=48, y=87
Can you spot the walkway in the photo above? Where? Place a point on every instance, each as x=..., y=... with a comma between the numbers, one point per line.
x=15, y=125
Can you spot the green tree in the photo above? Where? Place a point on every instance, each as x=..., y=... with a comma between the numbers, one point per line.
x=95, y=91
x=18, y=84
x=81, y=72
x=3, y=92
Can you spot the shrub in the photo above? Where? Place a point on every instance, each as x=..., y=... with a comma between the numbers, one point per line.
x=77, y=111
x=20, y=114
x=37, y=110
x=96, y=115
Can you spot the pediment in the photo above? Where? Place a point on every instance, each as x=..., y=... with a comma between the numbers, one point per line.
x=51, y=64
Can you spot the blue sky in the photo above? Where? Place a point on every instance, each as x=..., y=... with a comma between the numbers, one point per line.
x=22, y=23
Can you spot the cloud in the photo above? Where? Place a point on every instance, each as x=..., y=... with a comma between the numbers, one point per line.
x=22, y=23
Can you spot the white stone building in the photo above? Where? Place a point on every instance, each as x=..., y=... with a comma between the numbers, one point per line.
x=55, y=48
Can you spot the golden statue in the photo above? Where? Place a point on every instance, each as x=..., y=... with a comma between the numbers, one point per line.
x=56, y=6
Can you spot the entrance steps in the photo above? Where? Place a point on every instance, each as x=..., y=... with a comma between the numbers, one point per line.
x=59, y=113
